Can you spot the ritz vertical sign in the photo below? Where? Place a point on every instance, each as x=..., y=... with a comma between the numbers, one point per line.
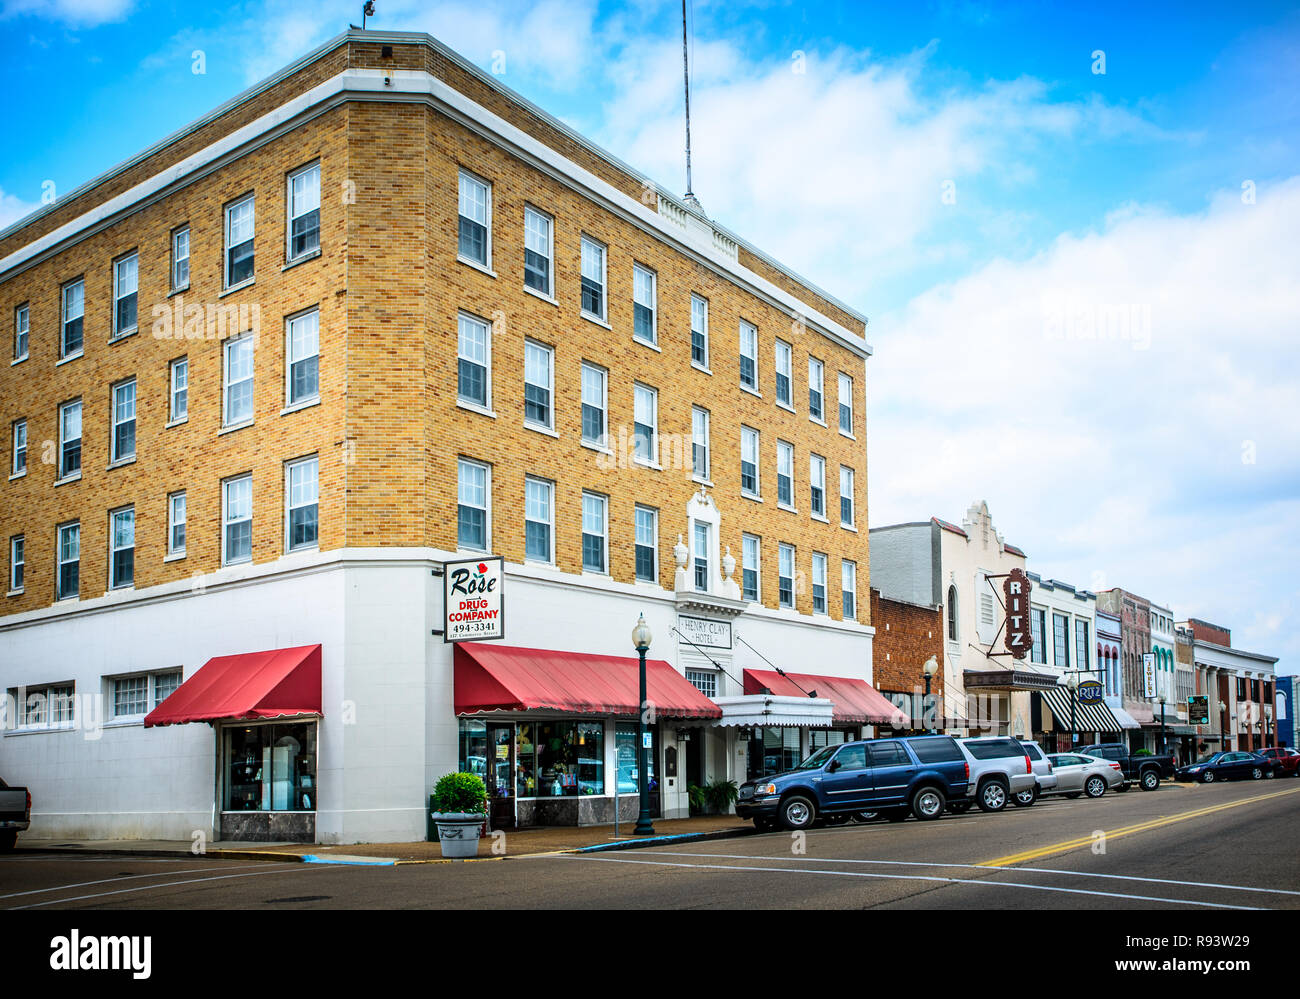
x=473, y=601
x=1020, y=635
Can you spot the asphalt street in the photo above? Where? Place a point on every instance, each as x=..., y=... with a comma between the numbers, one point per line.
x=1222, y=847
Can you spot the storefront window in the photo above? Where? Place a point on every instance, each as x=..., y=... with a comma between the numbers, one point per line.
x=570, y=758
x=525, y=761
x=473, y=747
x=819, y=737
x=271, y=768
x=625, y=751
x=773, y=750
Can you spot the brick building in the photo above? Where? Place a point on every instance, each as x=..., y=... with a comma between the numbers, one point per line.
x=376, y=313
x=1240, y=687
x=907, y=635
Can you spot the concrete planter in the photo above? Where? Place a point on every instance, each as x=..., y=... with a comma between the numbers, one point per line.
x=458, y=833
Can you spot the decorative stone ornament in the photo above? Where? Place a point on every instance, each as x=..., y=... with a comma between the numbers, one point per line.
x=680, y=551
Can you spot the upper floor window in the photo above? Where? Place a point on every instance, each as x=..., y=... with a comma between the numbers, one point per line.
x=784, y=367
x=302, y=502
x=122, y=443
x=784, y=474
x=819, y=583
x=952, y=613
x=817, y=478
x=74, y=311
x=121, y=558
x=475, y=234
x=750, y=554
x=594, y=542
x=644, y=303
x=19, y=464
x=593, y=404
x=846, y=404
x=816, y=374
x=70, y=439
x=645, y=429
x=302, y=373
x=1061, y=640
x=126, y=278
x=700, y=443
x=178, y=406
x=67, y=576
x=539, y=256
x=237, y=520
x=539, y=520
x=647, y=544
x=176, y=523
x=1038, y=635
x=593, y=278
x=472, y=497
x=846, y=496
x=749, y=461
x=180, y=269
x=1082, y=657
x=239, y=241
x=699, y=331
x=701, y=556
x=473, y=352
x=17, y=563
x=538, y=377
x=785, y=575
x=22, y=322
x=304, y=212
x=849, y=589
x=238, y=393
x=748, y=355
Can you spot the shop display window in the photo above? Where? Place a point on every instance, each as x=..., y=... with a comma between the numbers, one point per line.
x=271, y=768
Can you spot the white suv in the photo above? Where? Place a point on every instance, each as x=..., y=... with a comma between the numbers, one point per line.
x=1000, y=767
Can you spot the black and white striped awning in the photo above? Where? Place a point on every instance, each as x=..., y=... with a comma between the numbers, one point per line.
x=1096, y=717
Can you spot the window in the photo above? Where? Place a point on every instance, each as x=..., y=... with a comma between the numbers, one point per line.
x=237, y=520
x=176, y=524
x=748, y=355
x=748, y=461
x=817, y=478
x=593, y=404
x=645, y=292
x=269, y=768
x=645, y=424
x=121, y=551
x=846, y=404
x=647, y=544
x=74, y=311
x=538, y=251
x=815, y=376
x=593, y=279
x=475, y=236
x=302, y=501
x=784, y=365
x=164, y=685
x=304, y=212
x=70, y=439
x=472, y=505
x=303, y=374
x=750, y=554
x=819, y=583
x=704, y=680
x=784, y=474
x=1081, y=656
x=239, y=242
x=593, y=532
x=473, y=355
x=126, y=277
x=538, y=520
x=179, y=406
x=46, y=706
x=952, y=613
x=123, y=418
x=700, y=537
x=700, y=443
x=130, y=696
x=785, y=575
x=699, y=331
x=1061, y=640
x=238, y=394
x=537, y=384
x=67, y=574
x=180, y=258
x=17, y=562
x=849, y=589
x=22, y=323
x=1038, y=628
x=19, y=465
x=846, y=496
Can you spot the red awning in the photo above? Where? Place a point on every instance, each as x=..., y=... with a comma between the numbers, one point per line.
x=856, y=702
x=507, y=678
x=252, y=685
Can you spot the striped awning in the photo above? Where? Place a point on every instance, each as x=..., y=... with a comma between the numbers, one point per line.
x=1087, y=717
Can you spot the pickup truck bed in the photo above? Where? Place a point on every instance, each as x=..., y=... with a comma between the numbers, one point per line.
x=15, y=814
x=1146, y=771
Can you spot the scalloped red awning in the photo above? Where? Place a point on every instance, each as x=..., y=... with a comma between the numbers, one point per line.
x=509, y=678
x=252, y=685
x=855, y=702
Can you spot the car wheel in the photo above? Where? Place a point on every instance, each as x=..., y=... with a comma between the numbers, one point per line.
x=1150, y=780
x=1025, y=798
x=866, y=816
x=1073, y=794
x=1095, y=787
x=1256, y=773
x=992, y=796
x=928, y=803
x=1207, y=777
x=797, y=812
x=959, y=807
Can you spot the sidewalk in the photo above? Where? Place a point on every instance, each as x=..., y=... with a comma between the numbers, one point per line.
x=516, y=843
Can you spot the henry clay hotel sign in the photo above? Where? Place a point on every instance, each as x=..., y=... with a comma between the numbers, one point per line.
x=1015, y=588
x=473, y=601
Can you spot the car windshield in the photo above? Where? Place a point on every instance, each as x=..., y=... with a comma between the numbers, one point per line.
x=818, y=759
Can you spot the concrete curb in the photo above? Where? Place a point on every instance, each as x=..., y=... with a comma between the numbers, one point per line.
x=632, y=844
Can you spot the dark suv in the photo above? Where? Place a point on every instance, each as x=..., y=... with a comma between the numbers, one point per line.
x=894, y=777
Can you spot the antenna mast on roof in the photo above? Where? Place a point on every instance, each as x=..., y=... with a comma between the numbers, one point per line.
x=689, y=197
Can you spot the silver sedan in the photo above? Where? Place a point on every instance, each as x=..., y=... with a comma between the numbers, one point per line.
x=1078, y=774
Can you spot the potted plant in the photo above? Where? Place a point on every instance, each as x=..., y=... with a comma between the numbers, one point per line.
x=459, y=809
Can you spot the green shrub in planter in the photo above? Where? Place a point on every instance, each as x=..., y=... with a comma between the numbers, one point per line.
x=1144, y=752
x=460, y=793
x=721, y=795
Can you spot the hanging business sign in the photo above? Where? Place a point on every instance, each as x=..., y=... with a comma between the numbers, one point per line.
x=1198, y=709
x=1020, y=635
x=1091, y=692
x=474, y=600
x=705, y=631
x=1149, y=674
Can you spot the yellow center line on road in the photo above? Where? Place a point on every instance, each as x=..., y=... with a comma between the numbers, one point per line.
x=1082, y=841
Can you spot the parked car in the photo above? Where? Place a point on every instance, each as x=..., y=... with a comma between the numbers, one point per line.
x=1078, y=773
x=1239, y=765
x=15, y=814
x=1000, y=767
x=1287, y=761
x=917, y=775
x=1044, y=778
x=1144, y=769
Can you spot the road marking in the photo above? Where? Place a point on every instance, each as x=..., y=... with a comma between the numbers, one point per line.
x=277, y=869
x=985, y=867
x=125, y=877
x=985, y=882
x=1082, y=841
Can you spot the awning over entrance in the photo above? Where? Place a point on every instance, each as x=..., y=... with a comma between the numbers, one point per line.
x=1007, y=679
x=856, y=702
x=1087, y=717
x=1126, y=720
x=773, y=711
x=509, y=678
x=252, y=685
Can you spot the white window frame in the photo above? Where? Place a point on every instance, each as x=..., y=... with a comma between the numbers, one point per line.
x=155, y=700
x=461, y=463
x=60, y=561
x=604, y=518
x=786, y=368
x=308, y=319
x=42, y=702
x=549, y=385
x=486, y=263
x=178, y=366
x=151, y=685
x=785, y=450
x=782, y=551
x=113, y=548
x=65, y=313
x=227, y=346
x=818, y=367
x=653, y=305
x=704, y=312
x=22, y=331
x=228, y=213
x=174, y=283
x=173, y=522
x=135, y=684
x=846, y=400
x=549, y=486
x=750, y=331
x=65, y=441
x=819, y=559
x=18, y=438
x=642, y=392
x=312, y=461
x=227, y=522
x=531, y=213
x=654, y=542
x=597, y=245
x=853, y=506
x=849, y=585
x=291, y=213
x=486, y=405
x=595, y=369
x=701, y=559
x=17, y=559
x=747, y=434
x=816, y=462
x=700, y=415
x=114, y=422
x=757, y=567
x=126, y=271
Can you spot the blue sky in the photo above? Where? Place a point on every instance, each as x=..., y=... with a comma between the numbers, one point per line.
x=1161, y=458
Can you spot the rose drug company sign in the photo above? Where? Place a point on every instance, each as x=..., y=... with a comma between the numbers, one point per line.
x=473, y=600
x=1020, y=637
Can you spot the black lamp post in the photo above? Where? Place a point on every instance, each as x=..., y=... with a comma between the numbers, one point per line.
x=641, y=636
x=930, y=668
x=1072, y=681
x=1162, y=726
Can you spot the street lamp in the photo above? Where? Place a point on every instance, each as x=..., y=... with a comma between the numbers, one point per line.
x=641, y=636
x=1162, y=726
x=930, y=668
x=1072, y=681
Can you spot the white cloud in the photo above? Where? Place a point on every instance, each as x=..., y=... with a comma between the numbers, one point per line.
x=74, y=13
x=12, y=208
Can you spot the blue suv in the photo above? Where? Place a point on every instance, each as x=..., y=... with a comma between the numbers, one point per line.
x=895, y=777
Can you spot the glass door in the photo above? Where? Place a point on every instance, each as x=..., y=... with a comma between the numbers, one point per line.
x=501, y=775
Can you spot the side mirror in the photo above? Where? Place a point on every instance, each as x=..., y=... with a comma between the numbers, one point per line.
x=832, y=766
